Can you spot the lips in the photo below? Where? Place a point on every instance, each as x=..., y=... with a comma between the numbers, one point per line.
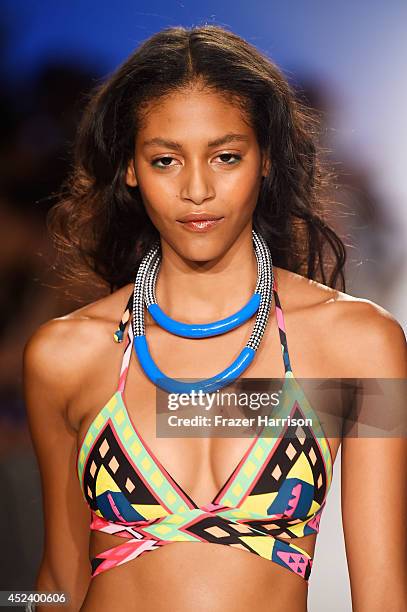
x=201, y=225
x=199, y=217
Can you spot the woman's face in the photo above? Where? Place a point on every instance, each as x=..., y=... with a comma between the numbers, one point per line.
x=195, y=154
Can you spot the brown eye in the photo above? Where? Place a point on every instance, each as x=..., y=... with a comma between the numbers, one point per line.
x=166, y=158
x=229, y=155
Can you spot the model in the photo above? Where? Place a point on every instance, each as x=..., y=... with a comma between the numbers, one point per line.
x=197, y=198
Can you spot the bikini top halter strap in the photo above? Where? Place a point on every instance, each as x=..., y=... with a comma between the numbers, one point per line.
x=125, y=321
x=281, y=328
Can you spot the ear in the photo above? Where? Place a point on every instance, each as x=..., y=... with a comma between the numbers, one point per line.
x=266, y=165
x=131, y=179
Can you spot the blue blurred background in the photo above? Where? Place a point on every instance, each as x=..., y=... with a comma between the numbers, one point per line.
x=348, y=59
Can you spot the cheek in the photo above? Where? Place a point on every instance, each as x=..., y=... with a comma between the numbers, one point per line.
x=158, y=214
x=242, y=182
x=241, y=196
x=156, y=201
x=154, y=186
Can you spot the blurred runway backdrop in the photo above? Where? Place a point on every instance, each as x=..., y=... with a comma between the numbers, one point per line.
x=349, y=60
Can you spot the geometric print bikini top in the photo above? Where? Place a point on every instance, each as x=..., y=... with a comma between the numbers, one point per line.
x=276, y=492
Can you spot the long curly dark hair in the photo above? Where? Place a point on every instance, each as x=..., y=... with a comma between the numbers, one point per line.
x=99, y=225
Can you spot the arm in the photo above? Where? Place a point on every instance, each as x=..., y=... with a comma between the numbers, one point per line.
x=48, y=378
x=374, y=482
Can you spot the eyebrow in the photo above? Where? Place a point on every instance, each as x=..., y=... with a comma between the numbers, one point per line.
x=172, y=144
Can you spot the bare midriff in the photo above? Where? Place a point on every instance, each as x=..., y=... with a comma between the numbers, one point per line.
x=186, y=576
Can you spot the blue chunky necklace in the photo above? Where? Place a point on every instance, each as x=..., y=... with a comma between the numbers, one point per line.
x=144, y=294
x=197, y=330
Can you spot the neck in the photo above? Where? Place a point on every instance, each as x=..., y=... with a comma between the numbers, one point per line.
x=199, y=292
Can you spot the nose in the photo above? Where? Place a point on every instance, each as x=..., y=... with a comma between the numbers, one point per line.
x=197, y=185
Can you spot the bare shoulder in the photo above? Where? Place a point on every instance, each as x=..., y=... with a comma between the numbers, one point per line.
x=59, y=352
x=364, y=338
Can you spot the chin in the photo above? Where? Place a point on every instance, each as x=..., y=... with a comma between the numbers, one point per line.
x=201, y=255
x=201, y=250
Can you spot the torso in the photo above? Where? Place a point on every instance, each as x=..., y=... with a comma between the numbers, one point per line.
x=205, y=576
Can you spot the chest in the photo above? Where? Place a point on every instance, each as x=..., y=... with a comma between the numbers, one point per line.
x=201, y=463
